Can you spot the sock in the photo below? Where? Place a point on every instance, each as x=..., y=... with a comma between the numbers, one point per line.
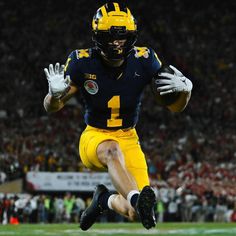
x=132, y=197
x=103, y=200
x=110, y=199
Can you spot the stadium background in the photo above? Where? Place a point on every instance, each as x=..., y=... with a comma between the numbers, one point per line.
x=191, y=156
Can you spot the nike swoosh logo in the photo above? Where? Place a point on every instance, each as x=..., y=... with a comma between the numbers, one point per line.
x=183, y=79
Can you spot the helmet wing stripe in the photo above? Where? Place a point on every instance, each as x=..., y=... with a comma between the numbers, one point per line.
x=117, y=7
x=104, y=12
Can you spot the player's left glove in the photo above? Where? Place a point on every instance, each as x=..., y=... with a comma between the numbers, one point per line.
x=57, y=85
x=171, y=83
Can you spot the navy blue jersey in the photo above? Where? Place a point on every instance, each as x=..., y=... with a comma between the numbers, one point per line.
x=112, y=96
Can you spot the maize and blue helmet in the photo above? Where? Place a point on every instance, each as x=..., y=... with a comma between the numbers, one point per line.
x=113, y=21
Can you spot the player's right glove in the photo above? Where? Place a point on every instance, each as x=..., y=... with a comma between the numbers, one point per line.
x=57, y=84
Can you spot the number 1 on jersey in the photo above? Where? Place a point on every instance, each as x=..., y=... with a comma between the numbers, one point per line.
x=114, y=104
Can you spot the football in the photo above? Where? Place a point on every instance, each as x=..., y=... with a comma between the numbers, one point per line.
x=167, y=99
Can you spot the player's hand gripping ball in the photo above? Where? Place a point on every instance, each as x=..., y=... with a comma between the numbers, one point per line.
x=165, y=99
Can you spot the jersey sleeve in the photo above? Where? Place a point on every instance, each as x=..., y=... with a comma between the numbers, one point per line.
x=149, y=60
x=154, y=63
x=72, y=68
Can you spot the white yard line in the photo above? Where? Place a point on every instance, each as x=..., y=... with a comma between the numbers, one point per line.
x=100, y=232
x=190, y=231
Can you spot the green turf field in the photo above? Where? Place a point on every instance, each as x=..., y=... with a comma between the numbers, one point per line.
x=175, y=229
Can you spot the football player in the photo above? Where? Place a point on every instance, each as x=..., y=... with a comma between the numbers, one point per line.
x=111, y=78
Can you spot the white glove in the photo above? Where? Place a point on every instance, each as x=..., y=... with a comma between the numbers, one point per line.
x=57, y=85
x=171, y=83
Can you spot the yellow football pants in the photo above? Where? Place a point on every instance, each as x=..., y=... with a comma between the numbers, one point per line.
x=129, y=143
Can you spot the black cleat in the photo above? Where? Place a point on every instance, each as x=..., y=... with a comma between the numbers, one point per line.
x=92, y=212
x=145, y=207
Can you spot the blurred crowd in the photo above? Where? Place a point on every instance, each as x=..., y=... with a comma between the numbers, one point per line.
x=25, y=208
x=67, y=207
x=193, y=151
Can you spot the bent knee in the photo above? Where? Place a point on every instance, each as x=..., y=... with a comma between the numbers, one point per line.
x=109, y=151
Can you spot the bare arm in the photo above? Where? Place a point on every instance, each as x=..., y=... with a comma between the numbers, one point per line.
x=53, y=104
